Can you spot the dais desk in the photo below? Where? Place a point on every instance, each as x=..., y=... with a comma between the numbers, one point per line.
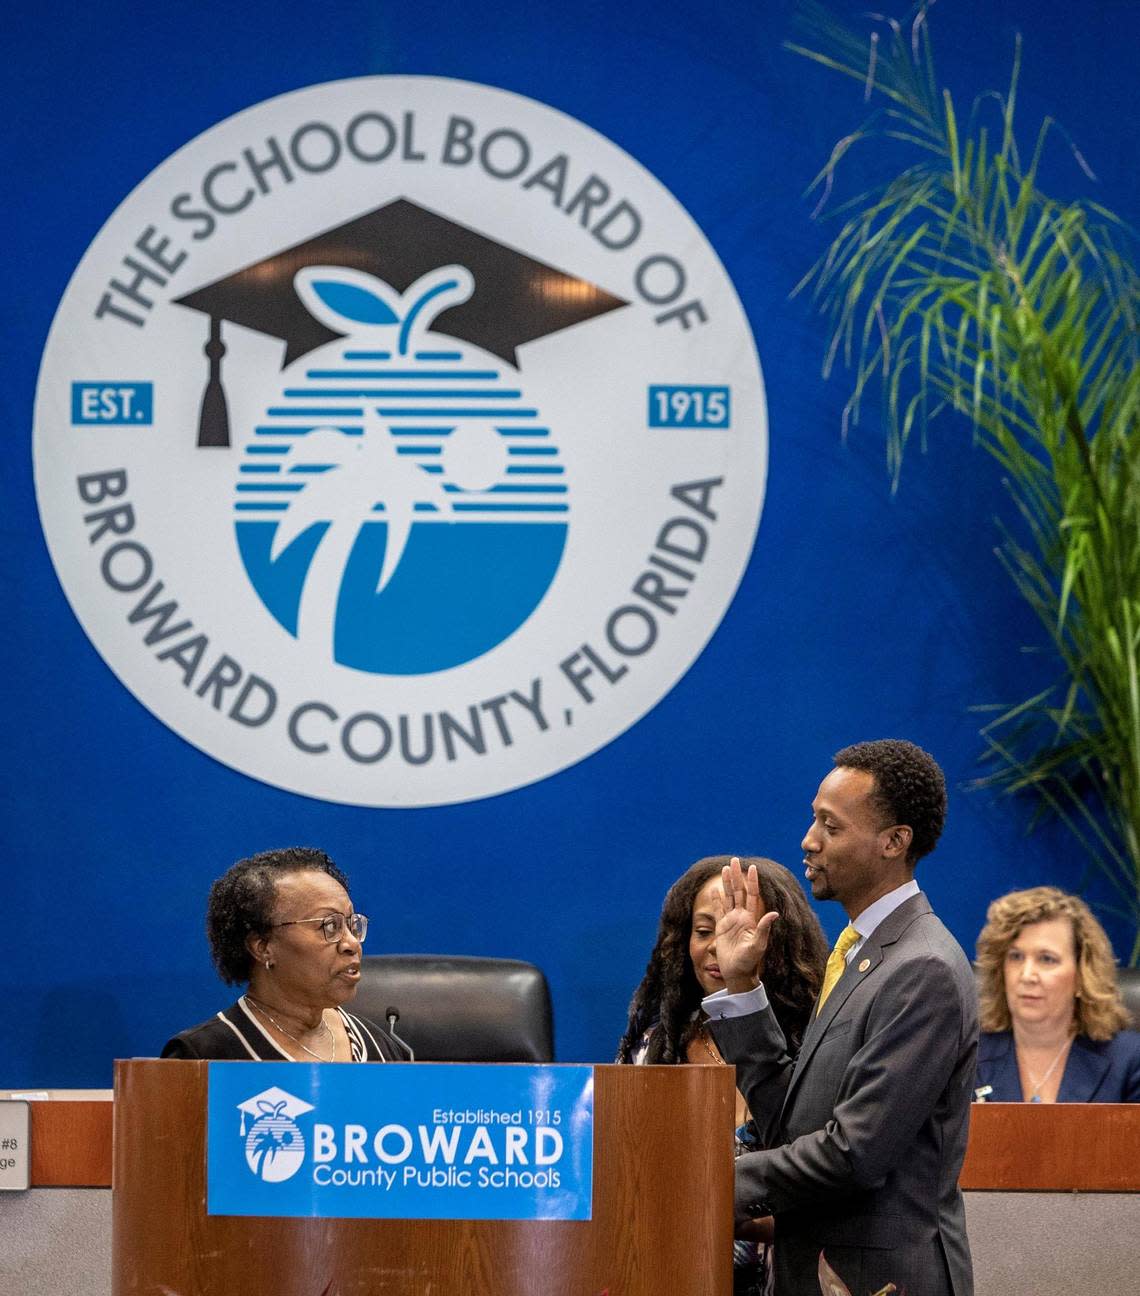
x=1051, y=1203
x=55, y=1239
x=1051, y=1199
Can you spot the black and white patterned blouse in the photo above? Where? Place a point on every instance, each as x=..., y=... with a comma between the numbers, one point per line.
x=237, y=1036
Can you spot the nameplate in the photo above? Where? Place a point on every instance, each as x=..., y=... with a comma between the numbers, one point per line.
x=15, y=1146
x=425, y=1141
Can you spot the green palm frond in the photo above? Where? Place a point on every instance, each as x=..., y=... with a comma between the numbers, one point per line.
x=959, y=286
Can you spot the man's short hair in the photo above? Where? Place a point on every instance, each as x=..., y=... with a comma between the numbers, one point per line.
x=910, y=787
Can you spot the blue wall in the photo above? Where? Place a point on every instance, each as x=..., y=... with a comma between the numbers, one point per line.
x=861, y=614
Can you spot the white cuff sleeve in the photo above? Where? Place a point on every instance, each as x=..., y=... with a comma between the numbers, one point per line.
x=722, y=1004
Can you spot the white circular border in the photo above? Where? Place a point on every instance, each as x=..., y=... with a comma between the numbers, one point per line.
x=578, y=378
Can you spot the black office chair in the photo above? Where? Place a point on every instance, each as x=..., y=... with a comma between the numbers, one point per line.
x=458, y=1009
x=1129, y=982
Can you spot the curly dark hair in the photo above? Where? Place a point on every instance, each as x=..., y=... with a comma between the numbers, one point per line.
x=909, y=788
x=241, y=902
x=670, y=995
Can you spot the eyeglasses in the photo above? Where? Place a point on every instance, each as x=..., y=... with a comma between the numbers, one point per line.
x=333, y=926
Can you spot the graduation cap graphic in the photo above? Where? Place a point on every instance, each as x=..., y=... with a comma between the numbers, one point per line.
x=516, y=299
x=274, y=1147
x=275, y=1103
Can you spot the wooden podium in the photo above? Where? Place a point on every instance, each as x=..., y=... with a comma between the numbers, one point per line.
x=662, y=1214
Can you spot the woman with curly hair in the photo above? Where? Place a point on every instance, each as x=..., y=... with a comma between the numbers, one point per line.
x=1051, y=1014
x=282, y=923
x=666, y=1024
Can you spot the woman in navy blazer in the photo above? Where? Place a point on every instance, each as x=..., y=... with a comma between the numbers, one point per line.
x=1051, y=1012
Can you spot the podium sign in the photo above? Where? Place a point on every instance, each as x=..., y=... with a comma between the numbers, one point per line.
x=400, y=1142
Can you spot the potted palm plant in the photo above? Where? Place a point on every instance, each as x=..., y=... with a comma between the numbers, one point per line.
x=968, y=296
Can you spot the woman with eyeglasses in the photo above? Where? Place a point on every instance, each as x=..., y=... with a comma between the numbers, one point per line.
x=282, y=923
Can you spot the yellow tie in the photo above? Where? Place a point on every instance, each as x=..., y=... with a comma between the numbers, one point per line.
x=836, y=963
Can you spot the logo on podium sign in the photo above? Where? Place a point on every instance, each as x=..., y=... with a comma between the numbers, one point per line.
x=274, y=1144
x=400, y=1142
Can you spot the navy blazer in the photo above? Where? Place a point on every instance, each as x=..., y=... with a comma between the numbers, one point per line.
x=1095, y=1070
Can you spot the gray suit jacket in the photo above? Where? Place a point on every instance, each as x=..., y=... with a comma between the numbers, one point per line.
x=866, y=1127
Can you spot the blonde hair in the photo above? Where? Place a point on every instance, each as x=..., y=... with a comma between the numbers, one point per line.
x=1098, y=1012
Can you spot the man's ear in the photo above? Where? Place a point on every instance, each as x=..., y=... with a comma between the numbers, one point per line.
x=897, y=841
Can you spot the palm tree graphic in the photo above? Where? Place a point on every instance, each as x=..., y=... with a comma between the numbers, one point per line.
x=266, y=1146
x=346, y=478
x=269, y=1140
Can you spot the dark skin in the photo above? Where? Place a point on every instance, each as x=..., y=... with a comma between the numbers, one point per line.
x=702, y=956
x=850, y=855
x=296, y=996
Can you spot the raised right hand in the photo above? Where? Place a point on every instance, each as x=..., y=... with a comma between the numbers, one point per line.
x=742, y=930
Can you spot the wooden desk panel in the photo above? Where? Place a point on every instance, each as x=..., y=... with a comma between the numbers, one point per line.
x=1066, y=1147
x=1061, y=1147
x=71, y=1143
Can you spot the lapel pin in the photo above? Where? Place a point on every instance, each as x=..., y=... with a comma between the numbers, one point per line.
x=866, y=963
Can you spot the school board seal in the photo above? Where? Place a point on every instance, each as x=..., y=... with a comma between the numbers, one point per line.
x=400, y=441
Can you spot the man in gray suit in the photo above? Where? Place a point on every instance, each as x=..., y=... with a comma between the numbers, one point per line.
x=865, y=1129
